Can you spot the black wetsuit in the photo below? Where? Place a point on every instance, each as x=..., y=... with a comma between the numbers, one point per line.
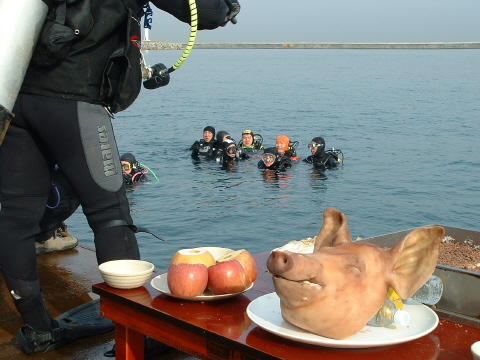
x=323, y=160
x=136, y=176
x=281, y=164
x=60, y=119
x=62, y=203
x=202, y=149
x=227, y=160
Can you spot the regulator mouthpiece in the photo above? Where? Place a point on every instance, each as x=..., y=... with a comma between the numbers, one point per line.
x=157, y=76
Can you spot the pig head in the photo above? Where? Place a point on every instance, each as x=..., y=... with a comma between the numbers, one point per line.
x=337, y=289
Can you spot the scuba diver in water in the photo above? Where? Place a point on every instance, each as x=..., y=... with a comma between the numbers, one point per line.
x=218, y=145
x=286, y=148
x=250, y=141
x=63, y=115
x=271, y=160
x=133, y=172
x=231, y=154
x=204, y=147
x=323, y=159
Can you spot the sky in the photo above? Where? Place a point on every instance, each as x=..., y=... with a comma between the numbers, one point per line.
x=336, y=21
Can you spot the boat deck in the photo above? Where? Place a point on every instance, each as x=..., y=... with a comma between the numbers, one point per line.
x=67, y=279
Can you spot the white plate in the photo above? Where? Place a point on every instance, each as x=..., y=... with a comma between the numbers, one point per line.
x=265, y=312
x=217, y=252
x=160, y=283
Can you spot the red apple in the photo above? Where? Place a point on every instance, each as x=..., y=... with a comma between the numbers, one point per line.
x=226, y=277
x=187, y=280
x=247, y=261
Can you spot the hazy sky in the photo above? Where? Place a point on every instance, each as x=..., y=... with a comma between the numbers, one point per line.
x=336, y=21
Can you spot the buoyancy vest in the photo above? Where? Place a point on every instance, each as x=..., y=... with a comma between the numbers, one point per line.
x=103, y=66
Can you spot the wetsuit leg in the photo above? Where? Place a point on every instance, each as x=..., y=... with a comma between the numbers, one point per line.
x=62, y=203
x=24, y=187
x=80, y=138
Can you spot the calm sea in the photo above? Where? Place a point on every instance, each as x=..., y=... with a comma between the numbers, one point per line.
x=407, y=122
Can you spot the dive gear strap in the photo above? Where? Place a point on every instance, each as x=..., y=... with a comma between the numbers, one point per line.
x=134, y=228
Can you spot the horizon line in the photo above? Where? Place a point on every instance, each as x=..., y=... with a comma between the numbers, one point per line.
x=164, y=45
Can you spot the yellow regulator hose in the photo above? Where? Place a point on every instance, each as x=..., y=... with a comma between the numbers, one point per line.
x=191, y=39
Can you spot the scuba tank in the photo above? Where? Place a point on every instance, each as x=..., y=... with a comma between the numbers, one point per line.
x=24, y=19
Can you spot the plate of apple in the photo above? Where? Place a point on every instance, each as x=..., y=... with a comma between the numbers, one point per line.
x=207, y=273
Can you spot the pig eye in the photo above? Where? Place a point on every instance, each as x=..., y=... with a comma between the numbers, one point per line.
x=354, y=269
x=355, y=264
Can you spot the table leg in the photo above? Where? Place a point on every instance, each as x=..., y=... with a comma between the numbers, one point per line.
x=128, y=343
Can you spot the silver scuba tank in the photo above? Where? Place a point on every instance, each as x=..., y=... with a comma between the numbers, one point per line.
x=22, y=20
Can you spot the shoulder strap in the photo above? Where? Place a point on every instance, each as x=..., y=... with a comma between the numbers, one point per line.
x=61, y=13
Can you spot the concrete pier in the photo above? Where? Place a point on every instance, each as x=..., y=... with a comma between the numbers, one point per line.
x=161, y=45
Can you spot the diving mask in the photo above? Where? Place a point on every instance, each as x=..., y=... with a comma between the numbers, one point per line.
x=268, y=158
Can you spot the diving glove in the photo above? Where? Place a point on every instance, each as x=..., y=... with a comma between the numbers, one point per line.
x=234, y=9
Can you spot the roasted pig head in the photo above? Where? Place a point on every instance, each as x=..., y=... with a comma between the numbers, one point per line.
x=337, y=289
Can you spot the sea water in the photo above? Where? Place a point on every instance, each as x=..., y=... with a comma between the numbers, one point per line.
x=407, y=122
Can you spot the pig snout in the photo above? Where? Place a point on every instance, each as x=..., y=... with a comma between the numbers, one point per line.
x=280, y=262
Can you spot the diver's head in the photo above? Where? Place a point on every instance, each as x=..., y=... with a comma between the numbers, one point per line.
x=317, y=146
x=270, y=156
x=128, y=162
x=208, y=133
x=229, y=148
x=247, y=137
x=281, y=144
x=222, y=136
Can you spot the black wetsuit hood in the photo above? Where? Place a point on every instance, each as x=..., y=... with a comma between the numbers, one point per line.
x=130, y=158
x=320, y=149
x=219, y=138
x=212, y=130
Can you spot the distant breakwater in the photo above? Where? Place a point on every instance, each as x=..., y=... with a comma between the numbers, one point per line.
x=161, y=45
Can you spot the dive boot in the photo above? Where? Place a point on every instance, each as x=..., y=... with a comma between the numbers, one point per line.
x=32, y=341
x=80, y=322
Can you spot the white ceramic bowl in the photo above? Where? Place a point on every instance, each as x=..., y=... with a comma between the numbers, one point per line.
x=126, y=274
x=476, y=350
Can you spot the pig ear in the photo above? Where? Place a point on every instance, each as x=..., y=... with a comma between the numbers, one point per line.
x=334, y=230
x=415, y=258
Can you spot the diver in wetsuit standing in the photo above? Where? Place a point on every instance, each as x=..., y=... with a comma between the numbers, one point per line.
x=63, y=116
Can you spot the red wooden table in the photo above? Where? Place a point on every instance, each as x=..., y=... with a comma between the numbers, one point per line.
x=222, y=330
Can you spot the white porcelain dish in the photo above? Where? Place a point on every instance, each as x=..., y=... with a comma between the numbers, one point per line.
x=476, y=350
x=126, y=274
x=265, y=312
x=160, y=283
